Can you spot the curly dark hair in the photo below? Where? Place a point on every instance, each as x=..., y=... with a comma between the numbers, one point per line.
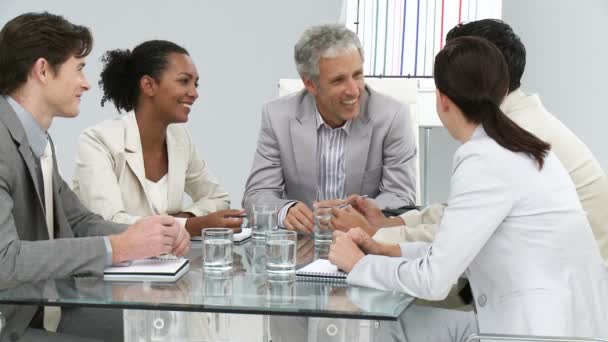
x=123, y=69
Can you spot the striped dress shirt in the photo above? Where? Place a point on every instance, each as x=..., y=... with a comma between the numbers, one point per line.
x=331, y=174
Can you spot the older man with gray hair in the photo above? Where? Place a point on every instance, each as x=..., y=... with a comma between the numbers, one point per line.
x=334, y=138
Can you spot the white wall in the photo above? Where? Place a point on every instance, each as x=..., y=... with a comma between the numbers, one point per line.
x=567, y=65
x=241, y=49
x=567, y=62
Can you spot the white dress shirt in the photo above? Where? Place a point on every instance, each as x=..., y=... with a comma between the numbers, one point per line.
x=158, y=193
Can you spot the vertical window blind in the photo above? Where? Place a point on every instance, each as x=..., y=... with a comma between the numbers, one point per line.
x=402, y=37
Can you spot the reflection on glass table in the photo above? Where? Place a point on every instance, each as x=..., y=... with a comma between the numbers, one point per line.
x=246, y=289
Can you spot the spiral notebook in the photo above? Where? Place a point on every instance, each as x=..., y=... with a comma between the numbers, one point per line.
x=321, y=270
x=152, y=270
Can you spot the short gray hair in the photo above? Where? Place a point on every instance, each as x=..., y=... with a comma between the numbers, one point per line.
x=328, y=40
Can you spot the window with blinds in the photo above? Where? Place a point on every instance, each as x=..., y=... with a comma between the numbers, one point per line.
x=402, y=37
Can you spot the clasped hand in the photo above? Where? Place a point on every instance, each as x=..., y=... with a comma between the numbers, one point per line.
x=350, y=247
x=356, y=214
x=148, y=237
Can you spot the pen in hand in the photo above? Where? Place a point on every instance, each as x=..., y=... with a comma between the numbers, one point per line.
x=243, y=215
x=350, y=203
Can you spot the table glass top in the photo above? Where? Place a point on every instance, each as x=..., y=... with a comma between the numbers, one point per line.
x=245, y=289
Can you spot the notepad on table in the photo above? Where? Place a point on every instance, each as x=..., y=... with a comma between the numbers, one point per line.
x=153, y=270
x=322, y=270
x=239, y=237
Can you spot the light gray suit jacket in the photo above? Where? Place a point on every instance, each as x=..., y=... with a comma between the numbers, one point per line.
x=26, y=253
x=380, y=158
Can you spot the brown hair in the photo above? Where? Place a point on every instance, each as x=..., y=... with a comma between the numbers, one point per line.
x=473, y=73
x=31, y=36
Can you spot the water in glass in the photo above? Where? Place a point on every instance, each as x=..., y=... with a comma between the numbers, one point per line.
x=218, y=254
x=281, y=252
x=265, y=220
x=322, y=228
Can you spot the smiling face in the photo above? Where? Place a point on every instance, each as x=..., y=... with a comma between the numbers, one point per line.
x=65, y=87
x=338, y=92
x=175, y=92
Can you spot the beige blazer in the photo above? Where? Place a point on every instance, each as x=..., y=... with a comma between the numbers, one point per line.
x=110, y=174
x=586, y=173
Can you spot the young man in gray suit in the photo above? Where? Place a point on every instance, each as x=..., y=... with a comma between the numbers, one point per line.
x=45, y=233
x=335, y=138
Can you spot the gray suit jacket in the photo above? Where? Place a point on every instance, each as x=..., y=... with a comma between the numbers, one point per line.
x=380, y=159
x=26, y=253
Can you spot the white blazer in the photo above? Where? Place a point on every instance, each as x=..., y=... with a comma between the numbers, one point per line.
x=110, y=174
x=590, y=180
x=521, y=237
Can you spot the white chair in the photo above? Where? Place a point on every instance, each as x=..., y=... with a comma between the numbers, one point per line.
x=528, y=338
x=403, y=89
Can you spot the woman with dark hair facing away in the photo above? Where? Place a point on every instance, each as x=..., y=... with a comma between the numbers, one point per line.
x=513, y=224
x=142, y=163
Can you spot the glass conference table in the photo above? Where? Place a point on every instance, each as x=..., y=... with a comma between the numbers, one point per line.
x=333, y=306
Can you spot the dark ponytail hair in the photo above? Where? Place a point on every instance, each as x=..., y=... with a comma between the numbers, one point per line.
x=123, y=69
x=472, y=72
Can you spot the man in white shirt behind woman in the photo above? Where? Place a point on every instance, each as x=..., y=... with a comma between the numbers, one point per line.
x=513, y=222
x=528, y=112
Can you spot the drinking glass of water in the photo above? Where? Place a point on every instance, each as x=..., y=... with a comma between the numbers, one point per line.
x=217, y=249
x=257, y=250
x=217, y=287
x=281, y=252
x=281, y=289
x=322, y=225
x=264, y=220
